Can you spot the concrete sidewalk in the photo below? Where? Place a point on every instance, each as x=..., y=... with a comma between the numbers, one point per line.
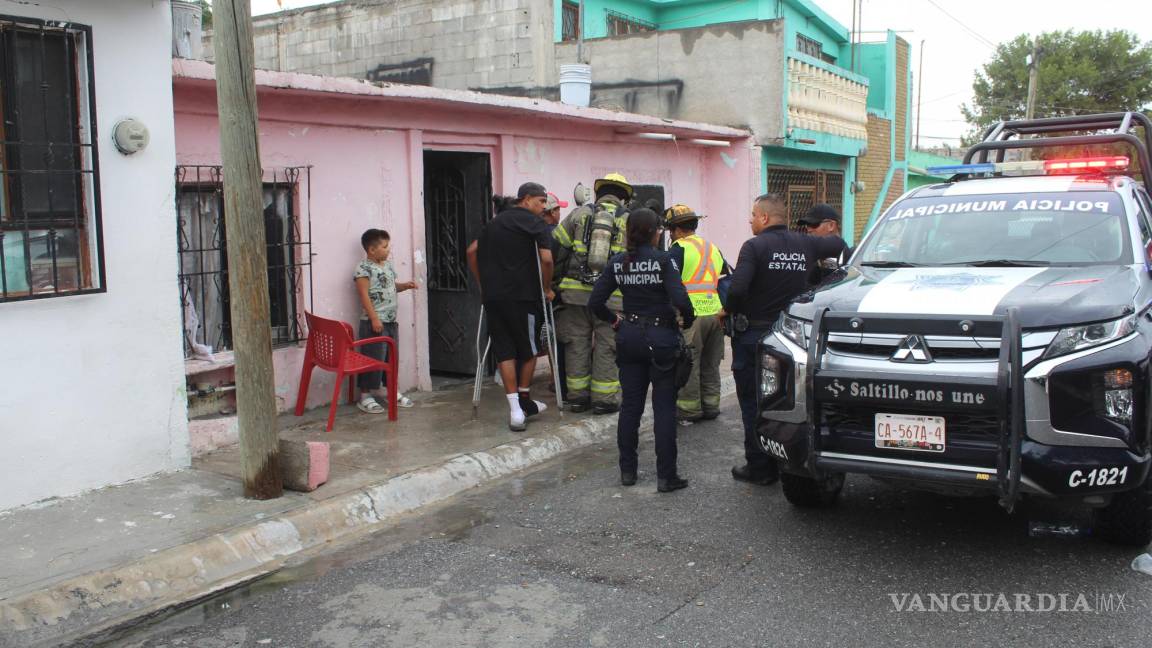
x=73, y=566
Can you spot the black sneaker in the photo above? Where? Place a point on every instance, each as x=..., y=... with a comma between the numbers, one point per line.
x=627, y=478
x=578, y=406
x=760, y=477
x=671, y=484
x=605, y=408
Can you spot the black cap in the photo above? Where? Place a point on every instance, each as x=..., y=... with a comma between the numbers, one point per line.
x=820, y=213
x=530, y=189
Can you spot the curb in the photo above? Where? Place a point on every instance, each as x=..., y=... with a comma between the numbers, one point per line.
x=103, y=599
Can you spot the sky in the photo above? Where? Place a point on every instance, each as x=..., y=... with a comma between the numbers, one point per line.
x=958, y=37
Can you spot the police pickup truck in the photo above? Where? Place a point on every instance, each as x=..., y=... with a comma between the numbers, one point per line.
x=990, y=334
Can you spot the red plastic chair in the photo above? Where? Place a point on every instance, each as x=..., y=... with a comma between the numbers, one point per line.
x=331, y=346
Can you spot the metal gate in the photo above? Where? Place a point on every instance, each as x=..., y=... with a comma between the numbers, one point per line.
x=803, y=188
x=457, y=203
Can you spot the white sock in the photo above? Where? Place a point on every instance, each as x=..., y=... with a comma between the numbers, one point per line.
x=514, y=405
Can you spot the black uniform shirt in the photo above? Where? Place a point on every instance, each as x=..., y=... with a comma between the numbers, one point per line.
x=650, y=282
x=772, y=270
x=507, y=250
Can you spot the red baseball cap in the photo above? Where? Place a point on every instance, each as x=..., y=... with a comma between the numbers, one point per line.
x=554, y=202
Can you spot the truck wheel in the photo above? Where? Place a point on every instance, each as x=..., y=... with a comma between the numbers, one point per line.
x=1127, y=520
x=806, y=492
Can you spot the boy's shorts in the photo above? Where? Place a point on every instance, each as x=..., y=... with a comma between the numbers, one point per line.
x=373, y=380
x=514, y=327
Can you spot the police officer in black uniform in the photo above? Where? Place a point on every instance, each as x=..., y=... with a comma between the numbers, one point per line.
x=823, y=220
x=772, y=269
x=647, y=343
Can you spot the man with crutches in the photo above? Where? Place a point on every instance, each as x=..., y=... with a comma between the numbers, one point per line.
x=502, y=258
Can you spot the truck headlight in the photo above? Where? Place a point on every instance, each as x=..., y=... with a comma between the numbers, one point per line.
x=793, y=329
x=1117, y=390
x=769, y=375
x=1077, y=338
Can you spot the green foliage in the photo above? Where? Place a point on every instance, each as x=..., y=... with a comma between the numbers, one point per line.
x=206, y=21
x=1079, y=73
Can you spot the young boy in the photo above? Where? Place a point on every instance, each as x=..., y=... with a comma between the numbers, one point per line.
x=377, y=287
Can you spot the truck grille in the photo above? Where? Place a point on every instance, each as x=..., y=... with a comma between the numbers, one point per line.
x=938, y=353
x=974, y=426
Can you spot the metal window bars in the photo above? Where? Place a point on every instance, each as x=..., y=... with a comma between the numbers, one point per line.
x=202, y=246
x=51, y=241
x=803, y=188
x=620, y=24
x=570, y=21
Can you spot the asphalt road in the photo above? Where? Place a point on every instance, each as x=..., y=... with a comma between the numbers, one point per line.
x=564, y=556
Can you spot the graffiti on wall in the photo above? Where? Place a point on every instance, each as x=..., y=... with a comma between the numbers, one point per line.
x=414, y=72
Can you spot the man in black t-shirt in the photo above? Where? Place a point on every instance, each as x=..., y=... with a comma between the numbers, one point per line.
x=504, y=260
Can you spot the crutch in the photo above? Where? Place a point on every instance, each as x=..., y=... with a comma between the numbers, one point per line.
x=550, y=338
x=481, y=358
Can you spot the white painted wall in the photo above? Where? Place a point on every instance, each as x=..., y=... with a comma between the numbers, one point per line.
x=92, y=387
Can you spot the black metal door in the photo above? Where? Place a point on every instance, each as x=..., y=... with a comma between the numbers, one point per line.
x=457, y=203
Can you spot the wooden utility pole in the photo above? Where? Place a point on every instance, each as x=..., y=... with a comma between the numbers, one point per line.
x=1033, y=73
x=247, y=251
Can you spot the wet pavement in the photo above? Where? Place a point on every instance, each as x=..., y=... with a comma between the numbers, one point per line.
x=564, y=556
x=48, y=542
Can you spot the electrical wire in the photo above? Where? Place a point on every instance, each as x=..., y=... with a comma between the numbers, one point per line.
x=971, y=32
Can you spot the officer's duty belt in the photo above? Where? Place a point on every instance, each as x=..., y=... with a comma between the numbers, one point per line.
x=642, y=320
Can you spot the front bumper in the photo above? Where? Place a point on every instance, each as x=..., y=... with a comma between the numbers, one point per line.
x=1051, y=461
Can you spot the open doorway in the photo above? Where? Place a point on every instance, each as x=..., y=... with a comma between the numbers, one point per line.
x=457, y=203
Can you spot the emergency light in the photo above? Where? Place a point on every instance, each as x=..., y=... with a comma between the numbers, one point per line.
x=1073, y=165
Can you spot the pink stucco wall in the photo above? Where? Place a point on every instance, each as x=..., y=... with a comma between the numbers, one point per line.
x=366, y=158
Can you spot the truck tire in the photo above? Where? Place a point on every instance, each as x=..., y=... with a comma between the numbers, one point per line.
x=1127, y=520
x=806, y=492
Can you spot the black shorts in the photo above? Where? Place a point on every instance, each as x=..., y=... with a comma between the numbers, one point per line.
x=514, y=327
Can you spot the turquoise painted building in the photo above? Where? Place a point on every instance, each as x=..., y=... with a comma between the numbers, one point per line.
x=840, y=123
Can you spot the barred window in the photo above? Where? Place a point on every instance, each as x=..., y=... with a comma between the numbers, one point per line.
x=620, y=24
x=202, y=243
x=50, y=236
x=809, y=46
x=570, y=25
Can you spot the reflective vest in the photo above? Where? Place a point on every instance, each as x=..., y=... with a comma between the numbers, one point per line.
x=702, y=265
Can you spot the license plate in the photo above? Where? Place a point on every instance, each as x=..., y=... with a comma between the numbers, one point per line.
x=910, y=432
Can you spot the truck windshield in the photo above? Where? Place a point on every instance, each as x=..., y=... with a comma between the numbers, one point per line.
x=1074, y=228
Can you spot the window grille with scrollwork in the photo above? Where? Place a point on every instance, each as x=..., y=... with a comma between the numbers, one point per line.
x=202, y=245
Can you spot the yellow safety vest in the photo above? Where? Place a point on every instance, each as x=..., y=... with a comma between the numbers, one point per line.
x=702, y=265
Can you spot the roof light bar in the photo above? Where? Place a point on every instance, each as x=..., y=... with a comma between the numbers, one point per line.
x=1049, y=166
x=950, y=169
x=1084, y=164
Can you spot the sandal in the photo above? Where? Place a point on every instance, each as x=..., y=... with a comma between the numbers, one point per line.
x=370, y=406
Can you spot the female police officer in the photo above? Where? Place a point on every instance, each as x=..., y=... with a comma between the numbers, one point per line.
x=647, y=343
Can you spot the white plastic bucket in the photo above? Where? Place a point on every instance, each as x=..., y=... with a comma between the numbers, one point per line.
x=576, y=84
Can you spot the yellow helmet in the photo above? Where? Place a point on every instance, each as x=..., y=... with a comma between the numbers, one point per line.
x=613, y=179
x=678, y=213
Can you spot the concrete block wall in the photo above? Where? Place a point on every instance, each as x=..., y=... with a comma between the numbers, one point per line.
x=871, y=169
x=464, y=44
x=887, y=145
x=903, y=56
x=729, y=74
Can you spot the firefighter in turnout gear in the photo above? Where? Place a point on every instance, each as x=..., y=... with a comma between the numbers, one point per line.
x=586, y=239
x=701, y=265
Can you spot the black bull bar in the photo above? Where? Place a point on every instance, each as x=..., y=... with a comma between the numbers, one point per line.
x=1006, y=391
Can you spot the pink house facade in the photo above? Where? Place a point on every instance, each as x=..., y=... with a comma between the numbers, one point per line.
x=342, y=156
